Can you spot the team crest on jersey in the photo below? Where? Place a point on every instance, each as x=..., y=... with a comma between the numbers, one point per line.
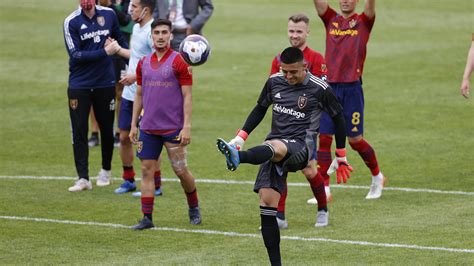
x=139, y=146
x=101, y=21
x=166, y=72
x=352, y=23
x=73, y=103
x=302, y=100
x=324, y=68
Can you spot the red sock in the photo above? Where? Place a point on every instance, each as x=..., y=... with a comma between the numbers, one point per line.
x=282, y=202
x=317, y=186
x=147, y=205
x=128, y=173
x=157, y=179
x=368, y=155
x=192, y=199
x=324, y=156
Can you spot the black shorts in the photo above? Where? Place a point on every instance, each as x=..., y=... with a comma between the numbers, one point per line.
x=119, y=65
x=272, y=175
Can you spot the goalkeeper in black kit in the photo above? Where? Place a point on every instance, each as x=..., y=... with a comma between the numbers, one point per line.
x=298, y=99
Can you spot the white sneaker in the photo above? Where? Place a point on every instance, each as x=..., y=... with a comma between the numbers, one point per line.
x=282, y=224
x=104, y=177
x=376, y=187
x=322, y=219
x=80, y=185
x=313, y=201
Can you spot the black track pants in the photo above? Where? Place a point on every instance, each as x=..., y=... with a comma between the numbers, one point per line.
x=80, y=102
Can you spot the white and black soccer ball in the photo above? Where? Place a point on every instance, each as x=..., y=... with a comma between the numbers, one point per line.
x=195, y=49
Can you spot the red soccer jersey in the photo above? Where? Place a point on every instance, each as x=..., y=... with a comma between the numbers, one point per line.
x=314, y=60
x=346, y=45
x=181, y=69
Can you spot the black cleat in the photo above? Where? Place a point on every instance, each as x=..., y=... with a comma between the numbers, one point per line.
x=145, y=223
x=117, y=140
x=93, y=141
x=194, y=216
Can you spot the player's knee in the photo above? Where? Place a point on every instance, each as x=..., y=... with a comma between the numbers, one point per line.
x=147, y=168
x=179, y=163
x=269, y=197
x=178, y=159
x=124, y=139
x=309, y=172
x=180, y=170
x=279, y=149
x=353, y=141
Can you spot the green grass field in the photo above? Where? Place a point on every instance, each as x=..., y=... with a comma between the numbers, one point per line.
x=416, y=120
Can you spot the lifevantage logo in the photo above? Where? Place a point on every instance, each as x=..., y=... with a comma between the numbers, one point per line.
x=290, y=111
x=94, y=34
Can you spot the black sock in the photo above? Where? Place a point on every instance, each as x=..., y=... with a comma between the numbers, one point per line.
x=271, y=233
x=149, y=216
x=256, y=155
x=323, y=209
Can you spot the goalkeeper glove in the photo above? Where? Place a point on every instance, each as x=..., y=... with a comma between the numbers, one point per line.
x=239, y=140
x=340, y=165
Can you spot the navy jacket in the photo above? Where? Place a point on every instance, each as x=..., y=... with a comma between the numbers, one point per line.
x=89, y=65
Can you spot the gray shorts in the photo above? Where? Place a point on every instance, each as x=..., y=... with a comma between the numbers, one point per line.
x=270, y=174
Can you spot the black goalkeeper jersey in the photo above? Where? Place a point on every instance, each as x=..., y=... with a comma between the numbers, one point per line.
x=296, y=109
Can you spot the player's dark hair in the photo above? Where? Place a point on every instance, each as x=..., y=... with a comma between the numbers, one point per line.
x=159, y=22
x=148, y=3
x=298, y=18
x=291, y=55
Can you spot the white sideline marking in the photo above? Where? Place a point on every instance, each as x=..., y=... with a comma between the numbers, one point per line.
x=224, y=233
x=234, y=182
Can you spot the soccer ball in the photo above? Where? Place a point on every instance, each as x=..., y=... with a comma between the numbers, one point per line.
x=195, y=50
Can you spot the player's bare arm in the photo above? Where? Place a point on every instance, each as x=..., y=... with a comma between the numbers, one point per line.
x=369, y=9
x=123, y=52
x=119, y=50
x=465, y=85
x=321, y=6
x=185, y=134
x=137, y=108
x=128, y=79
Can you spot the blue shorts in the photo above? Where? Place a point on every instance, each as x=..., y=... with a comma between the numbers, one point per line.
x=351, y=97
x=150, y=146
x=125, y=115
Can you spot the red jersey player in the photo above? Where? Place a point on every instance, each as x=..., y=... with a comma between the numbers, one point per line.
x=164, y=92
x=347, y=34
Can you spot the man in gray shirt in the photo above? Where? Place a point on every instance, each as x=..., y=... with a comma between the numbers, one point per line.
x=188, y=17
